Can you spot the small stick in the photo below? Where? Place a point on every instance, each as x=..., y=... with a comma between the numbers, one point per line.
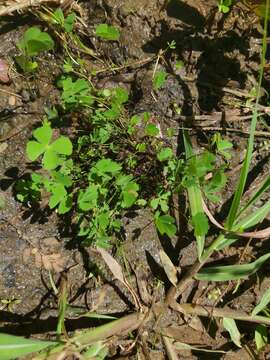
x=22, y=5
x=208, y=311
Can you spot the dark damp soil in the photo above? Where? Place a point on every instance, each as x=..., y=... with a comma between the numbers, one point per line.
x=221, y=61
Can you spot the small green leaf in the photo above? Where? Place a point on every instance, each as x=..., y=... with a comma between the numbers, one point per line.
x=107, y=32
x=166, y=225
x=120, y=96
x=59, y=193
x=200, y=223
x=159, y=79
x=261, y=336
x=231, y=272
x=165, y=154
x=65, y=205
x=12, y=347
x=35, y=41
x=108, y=166
x=62, y=146
x=43, y=134
x=88, y=200
x=69, y=22
x=151, y=130
x=50, y=159
x=34, y=150
x=130, y=194
x=230, y=326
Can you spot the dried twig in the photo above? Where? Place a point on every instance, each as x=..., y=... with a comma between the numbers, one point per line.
x=24, y=4
x=208, y=311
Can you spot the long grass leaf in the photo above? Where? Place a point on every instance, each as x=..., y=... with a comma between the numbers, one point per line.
x=12, y=347
x=246, y=164
x=254, y=218
x=231, y=272
x=195, y=198
x=256, y=196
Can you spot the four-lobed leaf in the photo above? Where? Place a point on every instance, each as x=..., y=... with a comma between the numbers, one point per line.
x=52, y=152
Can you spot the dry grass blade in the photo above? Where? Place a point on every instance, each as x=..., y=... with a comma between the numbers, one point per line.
x=172, y=355
x=117, y=272
x=169, y=268
x=260, y=234
x=113, y=265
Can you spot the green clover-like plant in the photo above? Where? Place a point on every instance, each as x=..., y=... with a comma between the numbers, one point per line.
x=52, y=152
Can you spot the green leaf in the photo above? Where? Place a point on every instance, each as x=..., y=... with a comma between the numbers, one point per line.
x=35, y=41
x=230, y=326
x=76, y=93
x=166, y=225
x=261, y=336
x=50, y=159
x=108, y=166
x=256, y=196
x=130, y=194
x=34, y=150
x=12, y=347
x=59, y=193
x=107, y=32
x=254, y=218
x=245, y=167
x=151, y=130
x=43, y=134
x=59, y=16
x=65, y=205
x=120, y=96
x=88, y=200
x=25, y=64
x=200, y=223
x=265, y=300
x=69, y=22
x=159, y=79
x=194, y=195
x=62, y=146
x=231, y=272
x=165, y=154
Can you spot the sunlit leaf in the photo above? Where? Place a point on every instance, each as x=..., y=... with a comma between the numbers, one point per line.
x=230, y=326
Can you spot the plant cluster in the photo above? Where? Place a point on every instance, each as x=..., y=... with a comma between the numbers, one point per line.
x=113, y=163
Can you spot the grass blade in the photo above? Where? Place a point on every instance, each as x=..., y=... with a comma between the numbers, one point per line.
x=12, y=347
x=245, y=168
x=264, y=187
x=195, y=202
x=254, y=218
x=265, y=300
x=231, y=272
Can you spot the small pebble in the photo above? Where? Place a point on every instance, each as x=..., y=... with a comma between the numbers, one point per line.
x=3, y=147
x=12, y=100
x=4, y=68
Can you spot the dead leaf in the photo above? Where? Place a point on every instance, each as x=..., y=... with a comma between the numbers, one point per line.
x=169, y=268
x=4, y=68
x=113, y=265
x=117, y=272
x=53, y=262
